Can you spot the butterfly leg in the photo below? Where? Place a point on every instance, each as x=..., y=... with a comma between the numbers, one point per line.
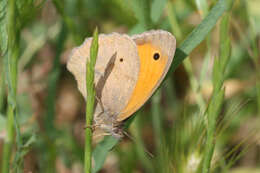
x=92, y=127
x=101, y=105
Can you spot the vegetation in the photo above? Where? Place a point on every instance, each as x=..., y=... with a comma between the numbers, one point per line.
x=204, y=118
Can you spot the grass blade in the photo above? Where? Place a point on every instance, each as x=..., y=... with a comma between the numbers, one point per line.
x=50, y=132
x=175, y=27
x=3, y=28
x=10, y=63
x=90, y=100
x=218, y=93
x=101, y=151
x=141, y=151
x=198, y=34
x=2, y=88
x=157, y=9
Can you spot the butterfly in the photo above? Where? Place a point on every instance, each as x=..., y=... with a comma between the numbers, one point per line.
x=127, y=72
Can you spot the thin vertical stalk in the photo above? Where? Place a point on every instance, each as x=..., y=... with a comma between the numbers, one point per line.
x=2, y=87
x=158, y=130
x=157, y=121
x=157, y=117
x=175, y=27
x=10, y=64
x=8, y=143
x=50, y=130
x=90, y=73
x=218, y=93
x=255, y=54
x=195, y=86
x=258, y=91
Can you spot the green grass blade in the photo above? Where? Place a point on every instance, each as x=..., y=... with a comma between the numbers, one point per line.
x=2, y=88
x=198, y=34
x=218, y=93
x=162, y=153
x=255, y=51
x=3, y=27
x=157, y=7
x=90, y=74
x=2, y=122
x=157, y=119
x=3, y=48
x=10, y=66
x=141, y=151
x=194, y=85
x=101, y=151
x=50, y=132
x=213, y=112
x=175, y=27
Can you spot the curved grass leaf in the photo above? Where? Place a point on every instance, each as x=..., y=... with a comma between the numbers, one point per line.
x=101, y=151
x=199, y=33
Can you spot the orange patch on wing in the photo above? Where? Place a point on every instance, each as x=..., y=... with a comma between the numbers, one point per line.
x=151, y=71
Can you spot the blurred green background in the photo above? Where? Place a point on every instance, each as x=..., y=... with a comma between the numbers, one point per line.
x=215, y=92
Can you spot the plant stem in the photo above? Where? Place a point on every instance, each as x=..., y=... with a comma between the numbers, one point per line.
x=255, y=56
x=157, y=126
x=8, y=140
x=2, y=88
x=50, y=132
x=90, y=73
x=218, y=92
x=10, y=63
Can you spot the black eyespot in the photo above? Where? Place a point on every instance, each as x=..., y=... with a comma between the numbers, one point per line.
x=121, y=59
x=156, y=56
